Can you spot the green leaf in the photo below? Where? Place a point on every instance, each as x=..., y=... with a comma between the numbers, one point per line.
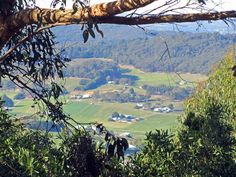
x=85, y=35
x=91, y=32
x=90, y=24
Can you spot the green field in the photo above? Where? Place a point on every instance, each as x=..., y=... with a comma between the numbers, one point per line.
x=149, y=78
x=158, y=78
x=87, y=111
x=95, y=111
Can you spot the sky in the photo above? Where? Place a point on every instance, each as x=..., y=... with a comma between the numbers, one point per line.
x=223, y=4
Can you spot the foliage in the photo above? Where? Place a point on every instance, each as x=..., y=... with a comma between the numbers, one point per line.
x=34, y=64
x=24, y=152
x=93, y=71
x=190, y=52
x=220, y=86
x=205, y=142
x=176, y=92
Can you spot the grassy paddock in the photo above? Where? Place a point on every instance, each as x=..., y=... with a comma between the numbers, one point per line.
x=88, y=111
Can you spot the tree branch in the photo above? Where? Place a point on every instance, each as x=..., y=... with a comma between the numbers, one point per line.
x=175, y=18
x=52, y=16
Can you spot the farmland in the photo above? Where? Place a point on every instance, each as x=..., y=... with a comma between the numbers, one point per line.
x=92, y=110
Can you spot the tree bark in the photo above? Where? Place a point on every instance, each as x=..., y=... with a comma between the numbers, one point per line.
x=180, y=18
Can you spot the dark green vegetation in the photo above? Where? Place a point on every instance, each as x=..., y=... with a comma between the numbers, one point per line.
x=95, y=72
x=189, y=52
x=32, y=153
x=203, y=144
x=176, y=92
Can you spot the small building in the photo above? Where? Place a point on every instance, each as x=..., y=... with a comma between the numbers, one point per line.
x=157, y=109
x=111, y=82
x=166, y=109
x=126, y=135
x=8, y=108
x=86, y=96
x=182, y=82
x=162, y=109
x=123, y=118
x=139, y=105
x=78, y=96
x=131, y=150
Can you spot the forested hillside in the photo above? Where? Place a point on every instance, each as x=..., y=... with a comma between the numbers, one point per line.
x=189, y=52
x=95, y=72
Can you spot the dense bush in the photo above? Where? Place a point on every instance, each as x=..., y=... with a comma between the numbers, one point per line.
x=26, y=153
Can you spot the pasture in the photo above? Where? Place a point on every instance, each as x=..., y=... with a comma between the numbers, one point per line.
x=86, y=111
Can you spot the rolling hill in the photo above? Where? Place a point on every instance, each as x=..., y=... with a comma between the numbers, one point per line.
x=151, y=50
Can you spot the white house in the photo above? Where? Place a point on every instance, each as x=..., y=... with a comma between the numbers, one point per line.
x=126, y=134
x=166, y=109
x=111, y=82
x=131, y=150
x=86, y=96
x=157, y=109
x=139, y=105
x=163, y=109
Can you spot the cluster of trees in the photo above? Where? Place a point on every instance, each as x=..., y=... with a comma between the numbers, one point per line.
x=94, y=72
x=175, y=92
x=92, y=68
x=122, y=97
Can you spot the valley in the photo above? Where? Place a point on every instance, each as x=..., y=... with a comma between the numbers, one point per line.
x=101, y=103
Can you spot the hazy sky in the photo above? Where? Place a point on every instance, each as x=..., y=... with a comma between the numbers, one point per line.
x=224, y=4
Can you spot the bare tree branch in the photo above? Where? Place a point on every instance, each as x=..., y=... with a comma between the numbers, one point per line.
x=175, y=18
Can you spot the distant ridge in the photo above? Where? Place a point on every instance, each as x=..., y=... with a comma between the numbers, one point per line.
x=147, y=50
